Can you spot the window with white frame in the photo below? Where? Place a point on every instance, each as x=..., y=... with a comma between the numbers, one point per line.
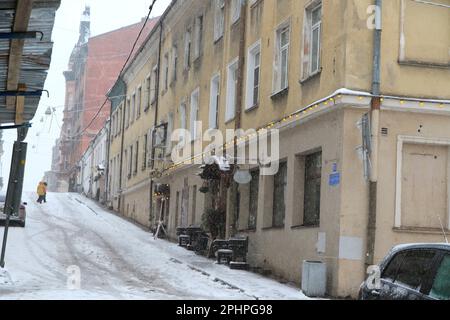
x=198, y=37
x=183, y=121
x=138, y=101
x=130, y=163
x=136, y=158
x=281, y=65
x=113, y=129
x=166, y=72
x=235, y=10
x=232, y=77
x=128, y=113
x=133, y=107
x=153, y=81
x=145, y=150
x=116, y=123
x=174, y=64
x=194, y=129
x=253, y=75
x=219, y=19
x=120, y=114
x=169, y=134
x=147, y=93
x=214, y=102
x=312, y=39
x=187, y=49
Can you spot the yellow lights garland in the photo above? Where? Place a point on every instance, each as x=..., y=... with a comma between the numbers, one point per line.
x=294, y=116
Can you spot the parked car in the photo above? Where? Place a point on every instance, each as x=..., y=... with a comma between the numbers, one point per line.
x=14, y=220
x=412, y=272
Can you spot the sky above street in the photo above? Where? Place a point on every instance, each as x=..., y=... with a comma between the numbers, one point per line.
x=106, y=15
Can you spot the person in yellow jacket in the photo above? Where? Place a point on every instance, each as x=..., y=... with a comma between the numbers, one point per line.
x=41, y=191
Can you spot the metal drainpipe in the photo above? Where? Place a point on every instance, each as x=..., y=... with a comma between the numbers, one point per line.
x=156, y=117
x=375, y=124
x=239, y=106
x=121, y=148
x=108, y=139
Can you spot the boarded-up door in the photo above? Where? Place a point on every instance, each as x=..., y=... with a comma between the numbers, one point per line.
x=424, y=185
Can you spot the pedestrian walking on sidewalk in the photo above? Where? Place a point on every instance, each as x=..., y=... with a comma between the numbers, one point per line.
x=41, y=192
x=45, y=192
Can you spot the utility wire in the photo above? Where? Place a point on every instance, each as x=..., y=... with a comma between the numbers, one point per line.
x=433, y=3
x=121, y=71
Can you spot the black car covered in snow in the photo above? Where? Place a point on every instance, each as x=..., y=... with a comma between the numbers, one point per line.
x=412, y=272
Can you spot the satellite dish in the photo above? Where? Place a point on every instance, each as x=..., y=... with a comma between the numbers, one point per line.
x=242, y=176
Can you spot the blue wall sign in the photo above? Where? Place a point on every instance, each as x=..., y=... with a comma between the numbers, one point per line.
x=335, y=179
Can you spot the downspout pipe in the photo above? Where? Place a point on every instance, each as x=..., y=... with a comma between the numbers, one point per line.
x=122, y=144
x=107, y=168
x=375, y=129
x=233, y=225
x=156, y=117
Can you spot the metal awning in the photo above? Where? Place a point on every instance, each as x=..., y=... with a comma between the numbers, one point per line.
x=24, y=56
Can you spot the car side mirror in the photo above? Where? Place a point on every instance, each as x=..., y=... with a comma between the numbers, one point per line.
x=25, y=203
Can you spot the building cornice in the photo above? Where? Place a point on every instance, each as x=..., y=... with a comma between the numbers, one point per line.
x=342, y=98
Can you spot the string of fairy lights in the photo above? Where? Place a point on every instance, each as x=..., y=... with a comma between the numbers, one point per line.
x=291, y=118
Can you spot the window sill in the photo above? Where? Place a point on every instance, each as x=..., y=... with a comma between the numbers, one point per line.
x=311, y=76
x=423, y=64
x=255, y=3
x=280, y=94
x=216, y=41
x=273, y=228
x=235, y=22
x=252, y=108
x=230, y=121
x=421, y=230
x=247, y=230
x=302, y=227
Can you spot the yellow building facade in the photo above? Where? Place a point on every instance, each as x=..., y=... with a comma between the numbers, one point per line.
x=304, y=68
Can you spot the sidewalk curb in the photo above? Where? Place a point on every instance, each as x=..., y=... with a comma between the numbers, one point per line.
x=215, y=278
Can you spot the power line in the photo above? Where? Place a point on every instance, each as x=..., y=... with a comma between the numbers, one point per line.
x=121, y=71
x=433, y=3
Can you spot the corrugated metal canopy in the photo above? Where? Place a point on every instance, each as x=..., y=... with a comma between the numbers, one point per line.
x=34, y=55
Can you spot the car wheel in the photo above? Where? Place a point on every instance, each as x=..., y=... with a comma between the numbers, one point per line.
x=22, y=224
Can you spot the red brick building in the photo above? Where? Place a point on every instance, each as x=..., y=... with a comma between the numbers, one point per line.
x=93, y=68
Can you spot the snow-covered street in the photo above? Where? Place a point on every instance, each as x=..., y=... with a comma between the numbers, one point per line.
x=115, y=260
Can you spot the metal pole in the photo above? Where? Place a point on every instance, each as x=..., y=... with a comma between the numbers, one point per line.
x=375, y=123
x=15, y=185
